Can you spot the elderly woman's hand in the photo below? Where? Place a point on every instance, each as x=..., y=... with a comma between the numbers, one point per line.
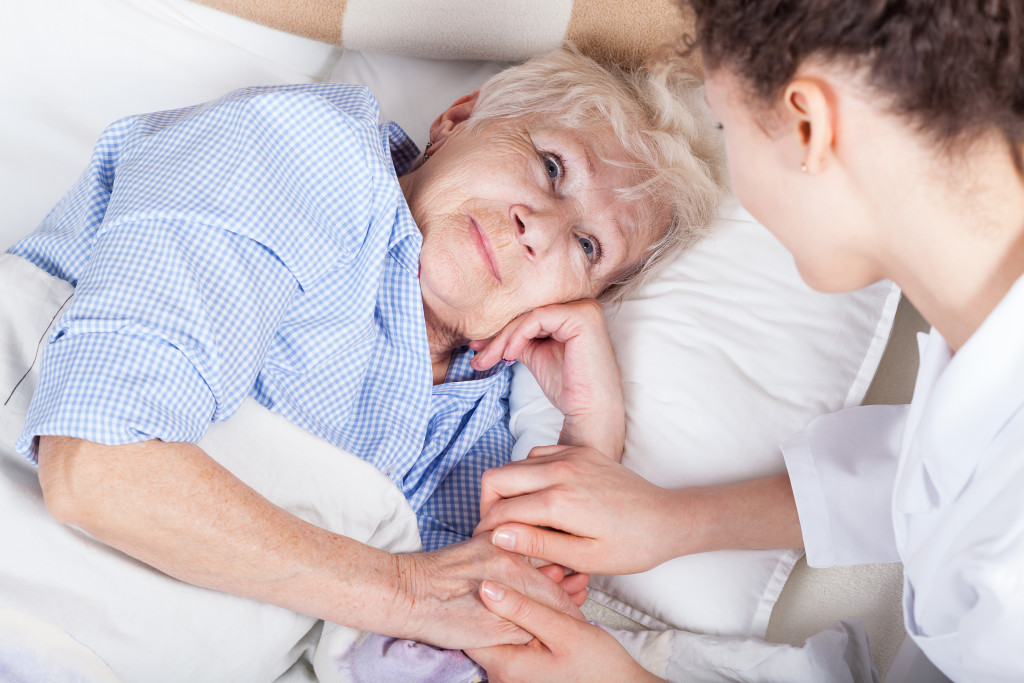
x=437, y=593
x=564, y=648
x=567, y=348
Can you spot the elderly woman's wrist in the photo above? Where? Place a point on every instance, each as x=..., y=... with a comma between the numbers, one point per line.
x=401, y=576
x=604, y=435
x=375, y=595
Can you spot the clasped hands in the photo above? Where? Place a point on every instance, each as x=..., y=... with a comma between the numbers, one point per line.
x=572, y=505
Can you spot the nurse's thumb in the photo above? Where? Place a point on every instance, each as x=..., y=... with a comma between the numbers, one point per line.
x=553, y=547
x=531, y=616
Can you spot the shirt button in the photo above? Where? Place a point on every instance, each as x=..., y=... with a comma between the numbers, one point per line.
x=388, y=472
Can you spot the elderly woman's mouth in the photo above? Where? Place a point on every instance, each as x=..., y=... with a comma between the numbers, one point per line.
x=484, y=245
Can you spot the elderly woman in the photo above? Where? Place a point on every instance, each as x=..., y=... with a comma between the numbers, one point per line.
x=876, y=140
x=280, y=244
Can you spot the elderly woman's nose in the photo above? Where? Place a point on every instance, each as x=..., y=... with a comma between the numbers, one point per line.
x=538, y=229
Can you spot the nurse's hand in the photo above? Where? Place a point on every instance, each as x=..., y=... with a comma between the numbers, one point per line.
x=563, y=648
x=567, y=348
x=577, y=508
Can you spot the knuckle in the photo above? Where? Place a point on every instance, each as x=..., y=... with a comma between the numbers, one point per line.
x=541, y=451
x=551, y=503
x=534, y=545
x=497, y=509
x=564, y=602
x=519, y=609
x=563, y=469
x=592, y=309
x=487, y=480
x=506, y=565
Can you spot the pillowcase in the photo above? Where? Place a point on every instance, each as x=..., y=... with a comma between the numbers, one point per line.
x=73, y=67
x=626, y=32
x=723, y=357
x=412, y=92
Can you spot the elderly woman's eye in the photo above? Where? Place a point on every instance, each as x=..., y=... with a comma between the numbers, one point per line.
x=591, y=248
x=553, y=165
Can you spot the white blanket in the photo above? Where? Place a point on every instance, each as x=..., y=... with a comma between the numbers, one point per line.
x=146, y=625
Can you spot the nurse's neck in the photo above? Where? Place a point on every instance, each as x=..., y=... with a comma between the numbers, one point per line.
x=960, y=247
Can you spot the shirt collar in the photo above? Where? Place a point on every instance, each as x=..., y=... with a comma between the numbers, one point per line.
x=404, y=151
x=459, y=370
x=406, y=238
x=961, y=402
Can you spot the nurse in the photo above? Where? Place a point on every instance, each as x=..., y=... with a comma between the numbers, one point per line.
x=876, y=140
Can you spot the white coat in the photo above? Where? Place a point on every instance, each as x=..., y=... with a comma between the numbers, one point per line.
x=939, y=486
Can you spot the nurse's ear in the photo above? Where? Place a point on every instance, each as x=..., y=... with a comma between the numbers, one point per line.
x=451, y=119
x=810, y=106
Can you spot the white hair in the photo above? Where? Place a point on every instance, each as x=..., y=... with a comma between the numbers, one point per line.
x=660, y=120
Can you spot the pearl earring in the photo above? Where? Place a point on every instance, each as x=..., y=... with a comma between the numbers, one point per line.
x=803, y=168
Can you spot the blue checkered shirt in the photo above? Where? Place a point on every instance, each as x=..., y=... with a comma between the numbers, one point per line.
x=260, y=245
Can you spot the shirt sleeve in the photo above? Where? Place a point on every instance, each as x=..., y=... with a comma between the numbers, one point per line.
x=156, y=348
x=218, y=216
x=843, y=469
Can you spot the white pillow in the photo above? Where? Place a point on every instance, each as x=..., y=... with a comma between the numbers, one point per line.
x=723, y=357
x=69, y=68
x=412, y=92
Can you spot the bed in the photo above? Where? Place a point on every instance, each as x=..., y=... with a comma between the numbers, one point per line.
x=723, y=357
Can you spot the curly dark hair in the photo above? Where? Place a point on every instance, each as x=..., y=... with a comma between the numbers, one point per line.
x=955, y=68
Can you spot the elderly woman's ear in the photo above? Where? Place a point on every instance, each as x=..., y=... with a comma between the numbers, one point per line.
x=448, y=121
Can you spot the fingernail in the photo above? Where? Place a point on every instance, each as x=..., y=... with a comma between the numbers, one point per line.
x=504, y=539
x=493, y=591
x=508, y=362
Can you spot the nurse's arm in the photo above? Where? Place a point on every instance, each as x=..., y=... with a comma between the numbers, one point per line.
x=574, y=507
x=759, y=514
x=835, y=501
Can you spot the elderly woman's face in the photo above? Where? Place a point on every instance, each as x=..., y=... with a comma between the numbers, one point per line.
x=516, y=216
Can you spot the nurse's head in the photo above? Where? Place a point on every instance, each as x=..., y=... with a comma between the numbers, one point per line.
x=840, y=114
x=560, y=179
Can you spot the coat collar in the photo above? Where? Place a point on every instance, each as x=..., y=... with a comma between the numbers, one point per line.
x=961, y=402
